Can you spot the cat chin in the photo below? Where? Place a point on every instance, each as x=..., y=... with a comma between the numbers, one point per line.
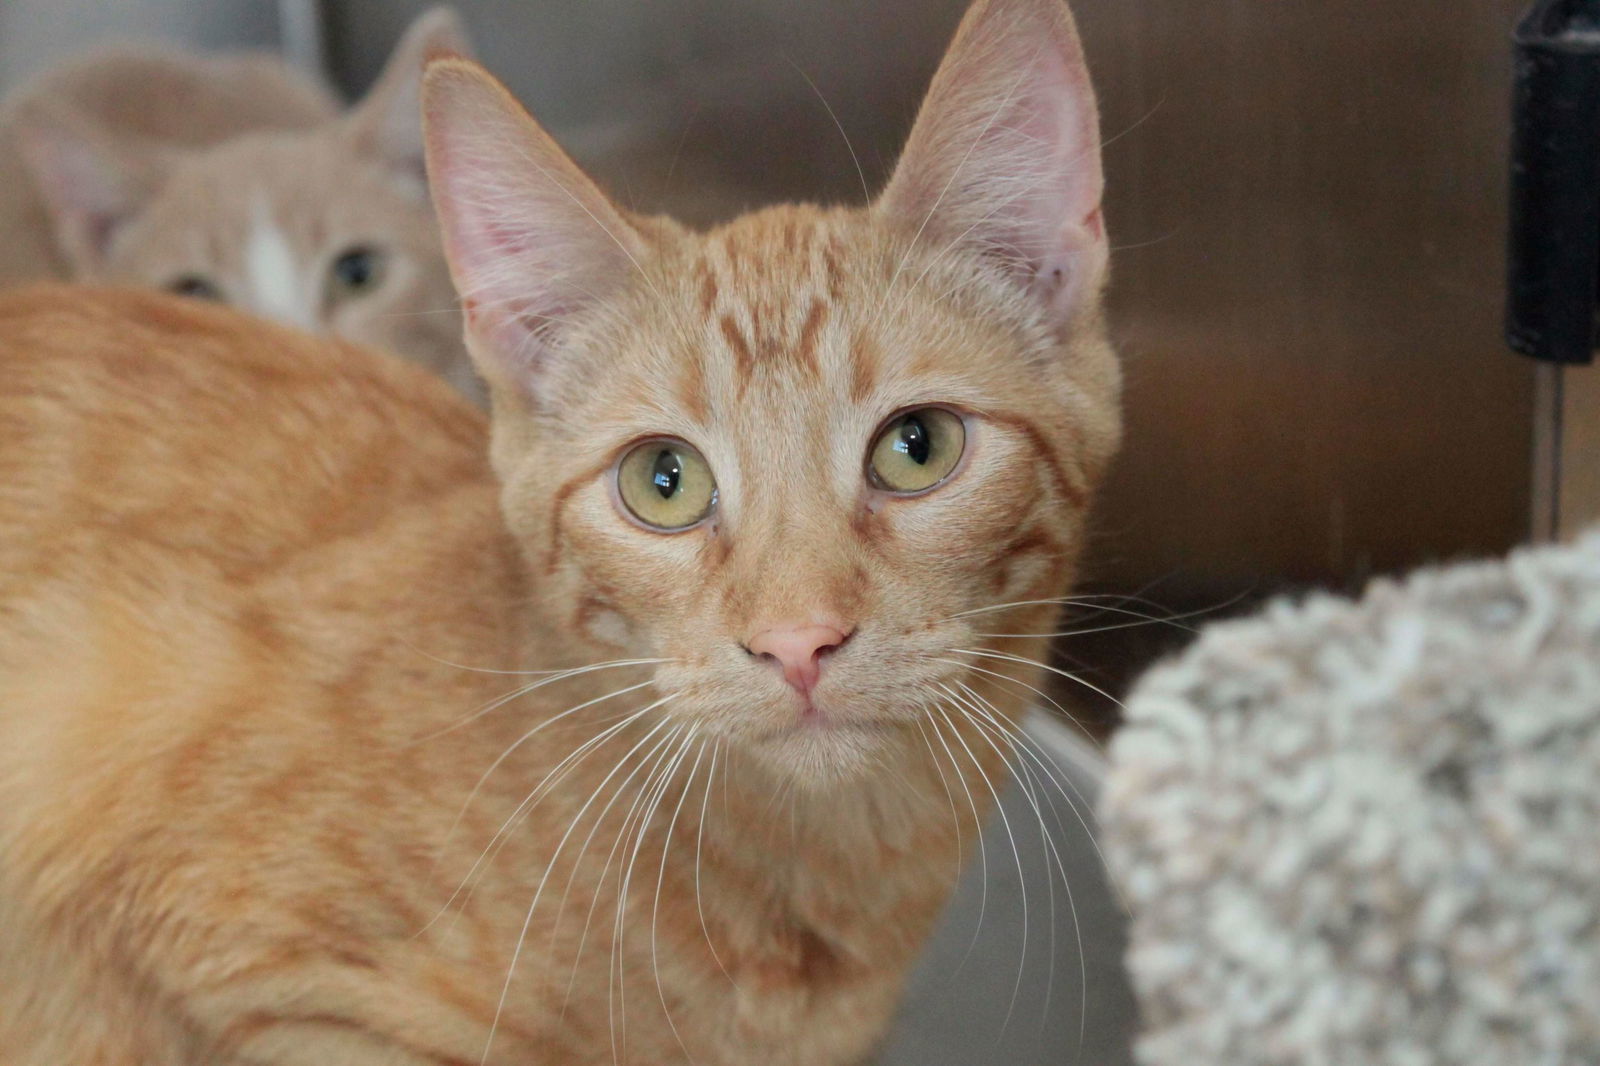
x=824, y=755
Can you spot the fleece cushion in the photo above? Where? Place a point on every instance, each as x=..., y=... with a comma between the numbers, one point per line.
x=1369, y=832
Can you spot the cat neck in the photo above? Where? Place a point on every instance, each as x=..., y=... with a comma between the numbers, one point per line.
x=883, y=844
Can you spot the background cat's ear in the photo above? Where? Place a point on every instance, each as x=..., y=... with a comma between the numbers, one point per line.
x=91, y=182
x=1005, y=154
x=387, y=122
x=530, y=238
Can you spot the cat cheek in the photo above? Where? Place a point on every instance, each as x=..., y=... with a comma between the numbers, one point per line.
x=411, y=184
x=1019, y=574
x=598, y=619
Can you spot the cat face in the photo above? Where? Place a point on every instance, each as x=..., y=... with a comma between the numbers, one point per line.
x=327, y=228
x=301, y=228
x=798, y=458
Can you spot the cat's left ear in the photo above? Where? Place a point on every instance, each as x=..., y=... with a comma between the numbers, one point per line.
x=1004, y=158
x=91, y=182
x=532, y=241
x=387, y=122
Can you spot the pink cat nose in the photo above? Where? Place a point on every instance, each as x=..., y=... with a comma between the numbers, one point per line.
x=798, y=651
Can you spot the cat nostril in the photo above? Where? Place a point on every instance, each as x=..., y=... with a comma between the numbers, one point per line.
x=763, y=656
x=798, y=651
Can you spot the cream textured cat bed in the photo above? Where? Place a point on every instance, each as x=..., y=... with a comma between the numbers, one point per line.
x=1370, y=832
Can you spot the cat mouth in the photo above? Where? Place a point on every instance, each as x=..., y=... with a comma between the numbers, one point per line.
x=822, y=725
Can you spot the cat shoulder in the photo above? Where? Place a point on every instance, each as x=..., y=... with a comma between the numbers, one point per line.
x=140, y=407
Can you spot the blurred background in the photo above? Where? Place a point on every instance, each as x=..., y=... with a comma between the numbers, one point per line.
x=1306, y=200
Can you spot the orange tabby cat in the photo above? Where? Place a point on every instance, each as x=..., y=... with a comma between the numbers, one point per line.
x=235, y=179
x=284, y=777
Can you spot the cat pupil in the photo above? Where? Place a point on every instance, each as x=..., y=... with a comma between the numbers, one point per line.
x=195, y=287
x=354, y=269
x=666, y=473
x=914, y=441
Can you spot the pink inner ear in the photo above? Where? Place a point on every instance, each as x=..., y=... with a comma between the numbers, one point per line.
x=502, y=239
x=1005, y=156
x=1094, y=223
x=89, y=188
x=532, y=242
x=519, y=306
x=1041, y=160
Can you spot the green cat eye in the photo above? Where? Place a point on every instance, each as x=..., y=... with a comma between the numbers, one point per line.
x=917, y=450
x=666, y=485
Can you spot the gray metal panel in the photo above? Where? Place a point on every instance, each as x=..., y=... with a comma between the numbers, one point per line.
x=1317, y=384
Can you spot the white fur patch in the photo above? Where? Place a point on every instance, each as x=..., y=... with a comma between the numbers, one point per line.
x=277, y=287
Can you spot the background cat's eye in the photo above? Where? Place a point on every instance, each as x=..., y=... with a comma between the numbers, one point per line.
x=195, y=287
x=358, y=270
x=666, y=485
x=917, y=450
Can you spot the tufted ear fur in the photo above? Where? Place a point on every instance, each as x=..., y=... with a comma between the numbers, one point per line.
x=530, y=238
x=386, y=122
x=91, y=182
x=1005, y=154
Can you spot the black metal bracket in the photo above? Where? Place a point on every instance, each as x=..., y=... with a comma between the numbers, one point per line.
x=1553, y=289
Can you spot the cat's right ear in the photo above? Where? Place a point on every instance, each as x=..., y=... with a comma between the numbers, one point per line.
x=1004, y=158
x=91, y=183
x=387, y=122
x=531, y=240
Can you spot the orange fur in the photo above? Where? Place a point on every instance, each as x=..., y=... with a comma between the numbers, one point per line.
x=274, y=784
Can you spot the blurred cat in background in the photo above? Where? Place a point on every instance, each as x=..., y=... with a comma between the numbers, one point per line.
x=235, y=179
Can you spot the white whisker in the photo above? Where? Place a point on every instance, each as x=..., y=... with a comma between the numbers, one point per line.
x=951, y=796
x=866, y=193
x=1069, y=675
x=624, y=888
x=954, y=173
x=1066, y=601
x=522, y=936
x=977, y=818
x=504, y=755
x=551, y=678
x=1066, y=715
x=699, y=843
x=616, y=845
x=1053, y=773
x=655, y=909
x=540, y=790
x=1022, y=879
x=987, y=719
x=593, y=218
